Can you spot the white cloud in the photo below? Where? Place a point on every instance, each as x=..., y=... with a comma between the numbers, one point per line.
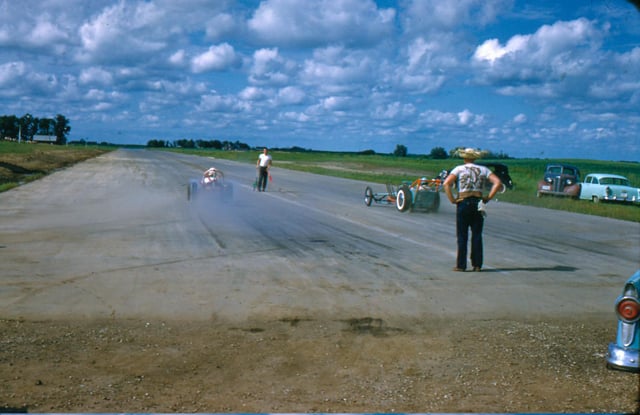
x=462, y=118
x=11, y=72
x=132, y=30
x=520, y=118
x=268, y=67
x=47, y=33
x=178, y=58
x=320, y=22
x=437, y=15
x=95, y=75
x=218, y=103
x=251, y=93
x=299, y=117
x=220, y=25
x=395, y=110
x=291, y=95
x=217, y=58
x=551, y=46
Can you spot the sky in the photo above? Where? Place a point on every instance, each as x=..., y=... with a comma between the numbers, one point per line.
x=541, y=79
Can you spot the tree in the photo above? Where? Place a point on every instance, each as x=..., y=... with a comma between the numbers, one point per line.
x=61, y=128
x=438, y=153
x=45, y=126
x=400, y=151
x=9, y=126
x=28, y=126
x=156, y=143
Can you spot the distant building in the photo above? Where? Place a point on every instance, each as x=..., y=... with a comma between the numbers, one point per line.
x=45, y=139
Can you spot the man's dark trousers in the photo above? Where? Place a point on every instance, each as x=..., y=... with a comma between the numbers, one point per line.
x=262, y=179
x=467, y=216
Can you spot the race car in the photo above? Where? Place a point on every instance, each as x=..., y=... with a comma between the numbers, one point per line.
x=211, y=183
x=419, y=194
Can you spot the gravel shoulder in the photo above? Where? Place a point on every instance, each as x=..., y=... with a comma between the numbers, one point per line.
x=310, y=366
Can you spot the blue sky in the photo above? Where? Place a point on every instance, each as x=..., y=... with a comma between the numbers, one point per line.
x=548, y=79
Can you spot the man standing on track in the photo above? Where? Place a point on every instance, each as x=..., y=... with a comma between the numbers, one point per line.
x=263, y=165
x=470, y=179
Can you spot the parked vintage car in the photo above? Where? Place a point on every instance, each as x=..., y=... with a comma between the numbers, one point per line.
x=560, y=180
x=502, y=171
x=608, y=187
x=624, y=354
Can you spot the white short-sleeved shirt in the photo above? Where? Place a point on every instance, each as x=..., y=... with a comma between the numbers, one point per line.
x=471, y=177
x=264, y=159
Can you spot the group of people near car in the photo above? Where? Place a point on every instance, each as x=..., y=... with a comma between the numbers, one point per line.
x=469, y=178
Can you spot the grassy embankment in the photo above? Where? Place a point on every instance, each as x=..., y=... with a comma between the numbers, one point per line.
x=389, y=169
x=25, y=162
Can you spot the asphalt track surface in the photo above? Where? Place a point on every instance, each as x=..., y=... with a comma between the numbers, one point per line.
x=115, y=236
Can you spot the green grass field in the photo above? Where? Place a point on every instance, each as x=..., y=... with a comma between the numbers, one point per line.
x=380, y=168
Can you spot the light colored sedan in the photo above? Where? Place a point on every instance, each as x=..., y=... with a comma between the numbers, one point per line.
x=610, y=187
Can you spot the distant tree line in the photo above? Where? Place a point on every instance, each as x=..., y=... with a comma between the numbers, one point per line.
x=190, y=143
x=28, y=126
x=437, y=153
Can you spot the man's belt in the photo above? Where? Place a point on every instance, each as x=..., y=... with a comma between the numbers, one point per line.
x=466, y=195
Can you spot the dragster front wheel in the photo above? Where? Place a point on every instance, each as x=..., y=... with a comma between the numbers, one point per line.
x=368, y=196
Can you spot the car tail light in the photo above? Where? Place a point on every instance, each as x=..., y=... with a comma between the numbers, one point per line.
x=628, y=309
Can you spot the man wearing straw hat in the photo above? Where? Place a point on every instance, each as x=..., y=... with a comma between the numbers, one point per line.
x=470, y=178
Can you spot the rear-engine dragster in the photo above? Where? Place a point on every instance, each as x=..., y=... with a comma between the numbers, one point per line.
x=423, y=194
x=211, y=183
x=420, y=194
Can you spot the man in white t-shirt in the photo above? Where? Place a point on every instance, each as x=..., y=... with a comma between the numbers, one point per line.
x=470, y=179
x=263, y=165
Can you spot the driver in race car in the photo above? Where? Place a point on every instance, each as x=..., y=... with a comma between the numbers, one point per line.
x=210, y=176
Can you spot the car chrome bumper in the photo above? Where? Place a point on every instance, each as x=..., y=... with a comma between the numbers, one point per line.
x=623, y=359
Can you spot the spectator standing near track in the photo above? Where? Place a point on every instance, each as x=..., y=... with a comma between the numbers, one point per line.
x=263, y=164
x=470, y=178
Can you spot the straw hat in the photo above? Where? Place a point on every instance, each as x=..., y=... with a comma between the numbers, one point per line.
x=469, y=153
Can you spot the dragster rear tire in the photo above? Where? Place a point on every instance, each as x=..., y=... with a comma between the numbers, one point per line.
x=403, y=198
x=192, y=190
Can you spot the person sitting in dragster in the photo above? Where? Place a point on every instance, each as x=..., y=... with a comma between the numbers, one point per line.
x=210, y=176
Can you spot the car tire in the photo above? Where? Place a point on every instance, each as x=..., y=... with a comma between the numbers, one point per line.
x=403, y=198
x=192, y=189
x=368, y=196
x=436, y=203
x=595, y=199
